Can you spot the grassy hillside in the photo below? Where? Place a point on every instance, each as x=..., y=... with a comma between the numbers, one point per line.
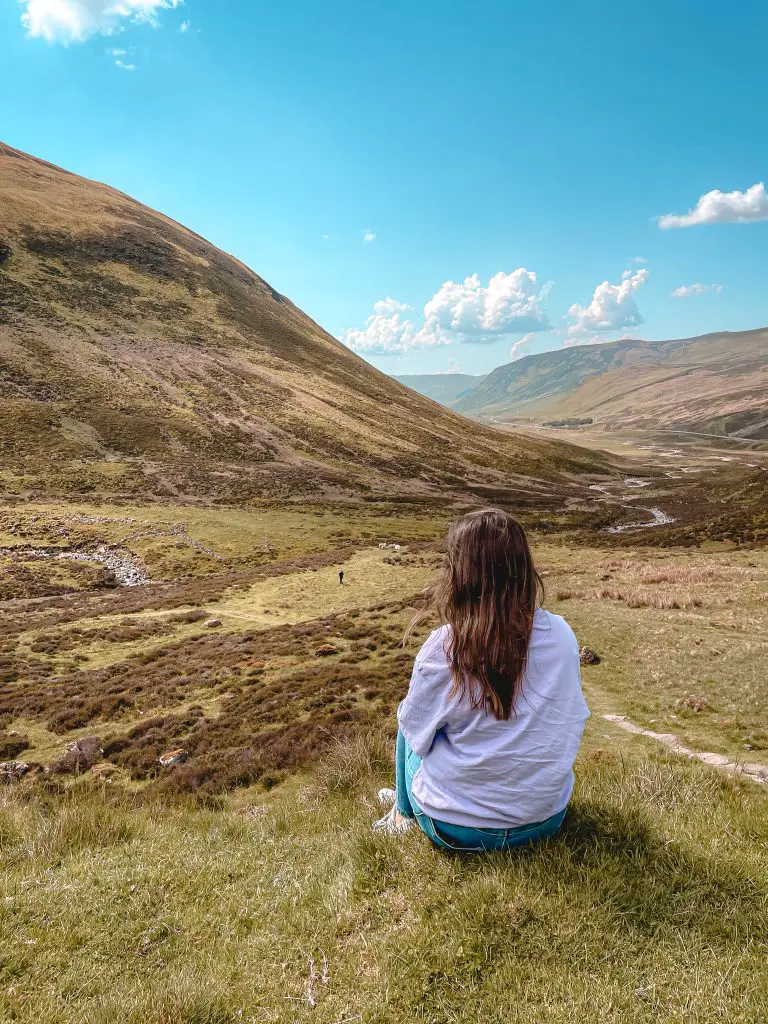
x=649, y=907
x=716, y=383
x=137, y=359
x=244, y=885
x=169, y=423
x=251, y=699
x=445, y=388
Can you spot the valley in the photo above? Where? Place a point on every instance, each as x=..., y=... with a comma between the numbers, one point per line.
x=711, y=386
x=139, y=361
x=241, y=881
x=215, y=647
x=196, y=713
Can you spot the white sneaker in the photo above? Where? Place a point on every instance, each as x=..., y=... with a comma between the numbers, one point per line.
x=393, y=823
x=386, y=797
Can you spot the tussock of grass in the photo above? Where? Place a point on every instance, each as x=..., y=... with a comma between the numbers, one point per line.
x=650, y=906
x=636, y=597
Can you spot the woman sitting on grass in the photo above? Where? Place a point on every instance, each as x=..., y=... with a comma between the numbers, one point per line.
x=492, y=722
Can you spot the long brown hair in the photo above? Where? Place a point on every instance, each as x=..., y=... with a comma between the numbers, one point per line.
x=487, y=592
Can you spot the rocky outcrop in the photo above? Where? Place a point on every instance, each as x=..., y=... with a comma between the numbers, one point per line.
x=13, y=771
x=78, y=756
x=588, y=657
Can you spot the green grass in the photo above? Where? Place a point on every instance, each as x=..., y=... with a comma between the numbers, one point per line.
x=667, y=624
x=671, y=625
x=177, y=540
x=246, y=885
x=650, y=906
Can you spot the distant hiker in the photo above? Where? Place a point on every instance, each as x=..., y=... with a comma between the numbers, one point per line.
x=494, y=714
x=341, y=577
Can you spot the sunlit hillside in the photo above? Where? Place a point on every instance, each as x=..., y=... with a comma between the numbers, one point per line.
x=136, y=358
x=716, y=384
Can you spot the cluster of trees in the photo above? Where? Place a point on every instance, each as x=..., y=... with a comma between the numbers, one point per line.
x=572, y=421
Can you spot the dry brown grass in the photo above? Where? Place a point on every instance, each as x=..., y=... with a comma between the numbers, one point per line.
x=636, y=597
x=120, y=311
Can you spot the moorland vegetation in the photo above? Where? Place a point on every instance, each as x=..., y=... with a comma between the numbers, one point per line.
x=195, y=716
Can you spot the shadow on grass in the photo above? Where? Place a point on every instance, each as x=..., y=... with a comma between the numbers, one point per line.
x=614, y=861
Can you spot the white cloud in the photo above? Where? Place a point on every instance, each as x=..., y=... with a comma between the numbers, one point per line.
x=612, y=307
x=185, y=26
x=453, y=367
x=722, y=208
x=389, y=306
x=638, y=259
x=690, y=291
x=516, y=352
x=369, y=236
x=72, y=21
x=118, y=54
x=385, y=331
x=467, y=312
x=470, y=311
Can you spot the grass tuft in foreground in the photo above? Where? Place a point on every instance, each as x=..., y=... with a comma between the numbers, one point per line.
x=650, y=906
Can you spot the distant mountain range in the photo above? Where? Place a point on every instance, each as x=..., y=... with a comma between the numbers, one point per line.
x=717, y=383
x=138, y=359
x=445, y=388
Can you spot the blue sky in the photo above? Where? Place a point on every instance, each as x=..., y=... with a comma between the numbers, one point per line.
x=506, y=161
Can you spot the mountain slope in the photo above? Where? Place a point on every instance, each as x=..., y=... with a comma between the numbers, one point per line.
x=445, y=388
x=135, y=357
x=716, y=383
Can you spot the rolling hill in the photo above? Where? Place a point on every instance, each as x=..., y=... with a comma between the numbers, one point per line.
x=717, y=383
x=136, y=358
x=445, y=388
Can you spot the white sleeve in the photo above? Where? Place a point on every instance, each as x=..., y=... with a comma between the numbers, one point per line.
x=427, y=705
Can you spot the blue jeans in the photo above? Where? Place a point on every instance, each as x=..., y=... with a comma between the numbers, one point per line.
x=460, y=837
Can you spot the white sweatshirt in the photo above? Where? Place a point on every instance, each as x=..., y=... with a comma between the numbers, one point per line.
x=479, y=771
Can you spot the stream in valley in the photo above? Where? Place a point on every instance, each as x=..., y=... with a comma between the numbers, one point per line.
x=125, y=567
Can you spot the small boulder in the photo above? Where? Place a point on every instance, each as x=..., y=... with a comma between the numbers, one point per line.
x=13, y=771
x=324, y=650
x=12, y=744
x=78, y=756
x=173, y=757
x=213, y=623
x=693, y=702
x=588, y=657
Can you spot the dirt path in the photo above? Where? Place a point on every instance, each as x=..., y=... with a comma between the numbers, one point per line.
x=755, y=772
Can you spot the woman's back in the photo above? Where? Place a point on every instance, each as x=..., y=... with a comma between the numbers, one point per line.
x=492, y=722
x=479, y=770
